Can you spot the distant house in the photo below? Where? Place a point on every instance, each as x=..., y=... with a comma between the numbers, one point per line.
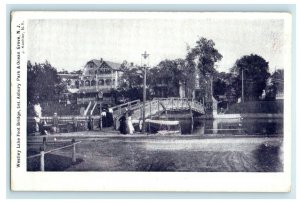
x=95, y=83
x=98, y=78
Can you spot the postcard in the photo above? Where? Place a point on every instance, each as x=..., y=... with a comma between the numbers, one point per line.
x=151, y=101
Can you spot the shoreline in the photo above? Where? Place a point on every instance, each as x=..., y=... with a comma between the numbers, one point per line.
x=115, y=134
x=241, y=116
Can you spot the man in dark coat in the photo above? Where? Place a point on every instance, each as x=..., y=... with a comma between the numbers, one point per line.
x=90, y=123
x=123, y=125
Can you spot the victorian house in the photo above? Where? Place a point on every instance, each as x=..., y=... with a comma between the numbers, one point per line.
x=95, y=83
x=98, y=78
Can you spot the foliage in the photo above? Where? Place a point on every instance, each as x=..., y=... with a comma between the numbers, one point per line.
x=256, y=72
x=276, y=85
x=131, y=78
x=225, y=84
x=165, y=77
x=43, y=83
x=203, y=58
x=131, y=83
x=186, y=76
x=277, y=79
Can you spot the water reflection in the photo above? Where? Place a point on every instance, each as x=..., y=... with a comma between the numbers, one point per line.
x=226, y=127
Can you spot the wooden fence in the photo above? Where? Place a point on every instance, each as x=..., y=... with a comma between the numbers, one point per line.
x=66, y=123
x=43, y=151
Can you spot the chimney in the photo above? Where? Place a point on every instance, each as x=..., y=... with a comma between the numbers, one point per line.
x=101, y=60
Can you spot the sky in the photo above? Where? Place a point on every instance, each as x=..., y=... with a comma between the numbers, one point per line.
x=69, y=43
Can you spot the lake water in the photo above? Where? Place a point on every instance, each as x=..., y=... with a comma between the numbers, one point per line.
x=232, y=127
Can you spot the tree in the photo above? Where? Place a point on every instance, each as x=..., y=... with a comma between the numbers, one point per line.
x=224, y=84
x=255, y=72
x=166, y=75
x=132, y=77
x=275, y=85
x=203, y=58
x=165, y=79
x=186, y=76
x=43, y=83
x=277, y=79
x=131, y=83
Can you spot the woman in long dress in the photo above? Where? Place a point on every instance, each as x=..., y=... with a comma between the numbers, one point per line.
x=129, y=123
x=123, y=125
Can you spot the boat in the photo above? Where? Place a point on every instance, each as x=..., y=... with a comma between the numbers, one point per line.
x=163, y=127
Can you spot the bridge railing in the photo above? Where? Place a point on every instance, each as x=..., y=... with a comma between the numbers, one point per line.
x=151, y=107
x=173, y=103
x=120, y=109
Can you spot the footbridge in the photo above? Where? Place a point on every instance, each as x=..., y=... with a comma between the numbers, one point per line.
x=156, y=107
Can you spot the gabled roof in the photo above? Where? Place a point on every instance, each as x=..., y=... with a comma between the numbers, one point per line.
x=113, y=65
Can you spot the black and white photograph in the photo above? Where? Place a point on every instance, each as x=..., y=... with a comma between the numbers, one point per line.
x=151, y=93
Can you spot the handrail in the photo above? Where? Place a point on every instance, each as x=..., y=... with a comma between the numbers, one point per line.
x=87, y=108
x=92, y=111
x=126, y=104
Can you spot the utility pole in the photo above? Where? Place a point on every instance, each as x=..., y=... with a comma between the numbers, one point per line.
x=242, y=85
x=144, y=55
x=211, y=87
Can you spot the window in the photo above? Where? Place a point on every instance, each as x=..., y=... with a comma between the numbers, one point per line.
x=87, y=83
x=108, y=82
x=101, y=82
x=77, y=84
x=81, y=83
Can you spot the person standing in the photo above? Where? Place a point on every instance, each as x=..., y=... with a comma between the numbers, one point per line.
x=123, y=124
x=103, y=117
x=129, y=123
x=75, y=124
x=110, y=119
x=55, y=123
x=90, y=123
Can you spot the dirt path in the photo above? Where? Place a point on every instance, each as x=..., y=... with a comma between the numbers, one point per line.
x=173, y=154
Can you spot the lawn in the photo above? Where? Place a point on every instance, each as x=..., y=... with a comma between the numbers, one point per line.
x=171, y=154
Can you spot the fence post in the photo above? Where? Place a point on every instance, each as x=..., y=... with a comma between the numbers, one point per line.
x=74, y=151
x=115, y=123
x=44, y=143
x=100, y=122
x=42, y=159
x=150, y=110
